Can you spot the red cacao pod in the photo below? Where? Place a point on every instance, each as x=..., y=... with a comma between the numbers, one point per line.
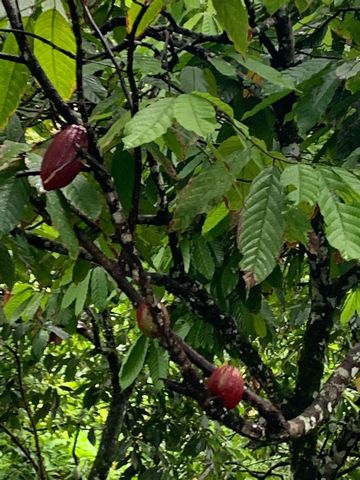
x=227, y=383
x=62, y=162
x=146, y=321
x=6, y=297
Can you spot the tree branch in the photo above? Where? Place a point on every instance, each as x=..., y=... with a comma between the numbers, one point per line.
x=202, y=304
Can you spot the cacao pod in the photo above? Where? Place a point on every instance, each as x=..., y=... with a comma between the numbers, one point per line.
x=227, y=383
x=146, y=321
x=62, y=162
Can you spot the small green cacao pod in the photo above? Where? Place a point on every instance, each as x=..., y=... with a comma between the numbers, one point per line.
x=62, y=162
x=146, y=321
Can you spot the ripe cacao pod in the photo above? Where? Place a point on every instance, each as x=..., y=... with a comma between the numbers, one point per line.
x=62, y=162
x=146, y=321
x=227, y=383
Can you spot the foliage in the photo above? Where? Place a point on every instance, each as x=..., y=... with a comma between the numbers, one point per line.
x=222, y=180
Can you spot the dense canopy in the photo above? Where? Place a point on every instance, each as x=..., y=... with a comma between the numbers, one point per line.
x=179, y=190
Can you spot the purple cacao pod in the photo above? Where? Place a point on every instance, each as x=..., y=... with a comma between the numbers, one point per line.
x=62, y=162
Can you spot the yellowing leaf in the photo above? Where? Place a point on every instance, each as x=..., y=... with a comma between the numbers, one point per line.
x=149, y=16
x=357, y=383
x=59, y=67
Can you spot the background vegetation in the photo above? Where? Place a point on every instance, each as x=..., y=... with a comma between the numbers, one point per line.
x=222, y=180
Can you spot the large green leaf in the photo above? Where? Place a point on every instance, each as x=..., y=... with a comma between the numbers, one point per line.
x=202, y=259
x=133, y=361
x=351, y=306
x=13, y=78
x=13, y=198
x=195, y=113
x=341, y=181
x=149, y=123
x=342, y=221
x=217, y=102
x=62, y=223
x=99, y=289
x=82, y=291
x=84, y=195
x=263, y=225
x=311, y=107
x=158, y=363
x=58, y=67
x=305, y=180
x=233, y=17
x=198, y=198
x=266, y=72
x=21, y=295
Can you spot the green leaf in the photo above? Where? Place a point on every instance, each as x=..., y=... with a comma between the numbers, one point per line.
x=347, y=137
x=13, y=79
x=99, y=289
x=273, y=5
x=62, y=223
x=39, y=344
x=195, y=113
x=269, y=100
x=263, y=225
x=150, y=15
x=158, y=363
x=217, y=103
x=265, y=71
x=7, y=271
x=198, y=198
x=13, y=199
x=193, y=79
x=20, y=297
x=351, y=306
x=303, y=5
x=81, y=294
x=311, y=107
x=344, y=183
x=298, y=225
x=259, y=325
x=83, y=193
x=214, y=217
x=342, y=221
x=69, y=296
x=10, y=155
x=133, y=362
x=202, y=259
x=58, y=67
x=91, y=436
x=123, y=171
x=233, y=17
x=305, y=180
x=149, y=123
x=224, y=67
x=113, y=135
x=33, y=306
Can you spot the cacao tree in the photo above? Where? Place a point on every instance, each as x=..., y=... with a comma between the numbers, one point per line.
x=179, y=200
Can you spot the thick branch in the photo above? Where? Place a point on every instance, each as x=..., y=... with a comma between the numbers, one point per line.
x=321, y=409
x=202, y=304
x=343, y=445
x=109, y=440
